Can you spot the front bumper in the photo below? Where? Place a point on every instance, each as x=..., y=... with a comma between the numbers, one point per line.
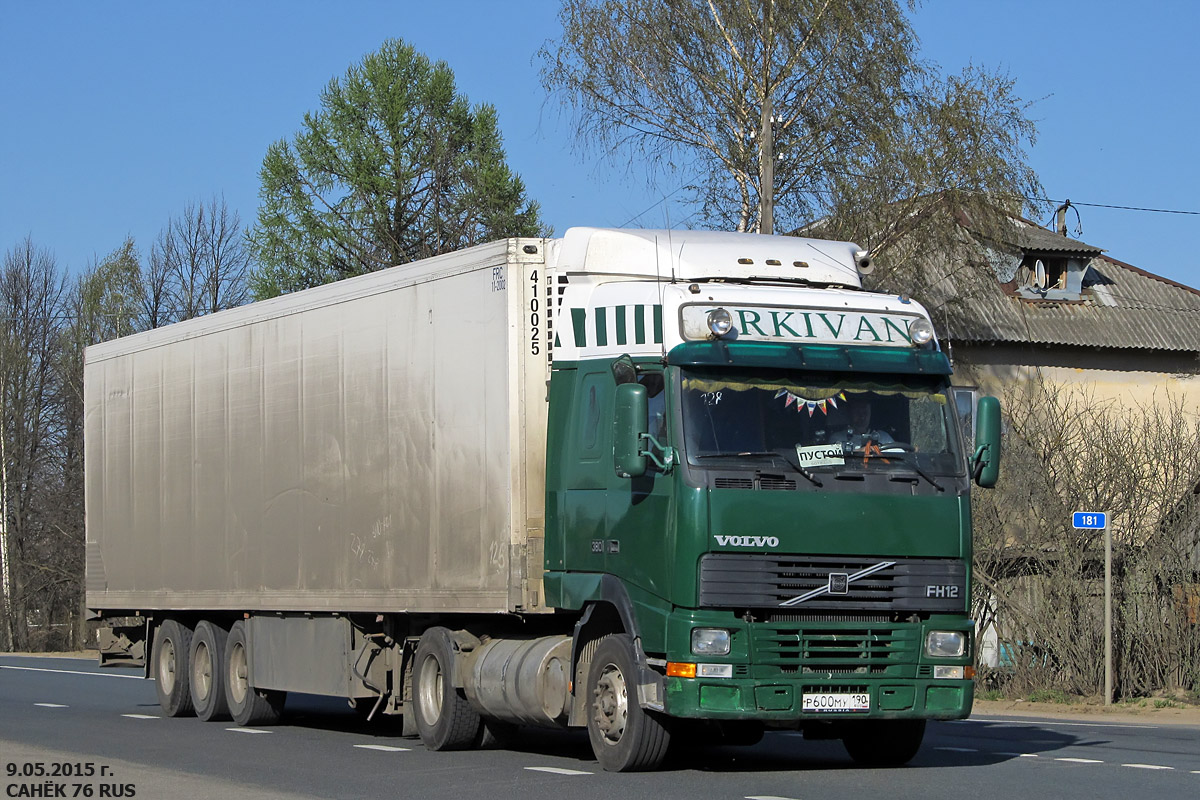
x=779, y=702
x=772, y=665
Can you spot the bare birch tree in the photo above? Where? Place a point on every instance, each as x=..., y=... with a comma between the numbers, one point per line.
x=823, y=107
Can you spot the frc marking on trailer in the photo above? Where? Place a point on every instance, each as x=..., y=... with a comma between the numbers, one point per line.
x=836, y=581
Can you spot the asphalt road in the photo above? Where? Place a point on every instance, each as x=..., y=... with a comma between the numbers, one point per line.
x=68, y=729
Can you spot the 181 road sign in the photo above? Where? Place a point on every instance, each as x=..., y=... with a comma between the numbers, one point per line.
x=1090, y=519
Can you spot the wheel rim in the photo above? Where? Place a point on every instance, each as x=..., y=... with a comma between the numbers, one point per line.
x=610, y=704
x=166, y=666
x=202, y=671
x=239, y=683
x=430, y=692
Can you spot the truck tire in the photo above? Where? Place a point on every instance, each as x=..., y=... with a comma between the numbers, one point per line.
x=207, y=676
x=625, y=737
x=884, y=743
x=445, y=720
x=172, y=643
x=249, y=706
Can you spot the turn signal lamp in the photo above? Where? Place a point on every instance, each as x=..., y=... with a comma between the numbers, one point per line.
x=678, y=670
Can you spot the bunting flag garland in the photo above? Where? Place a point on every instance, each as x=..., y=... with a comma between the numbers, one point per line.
x=810, y=405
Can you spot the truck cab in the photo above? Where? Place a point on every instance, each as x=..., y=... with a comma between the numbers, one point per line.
x=758, y=467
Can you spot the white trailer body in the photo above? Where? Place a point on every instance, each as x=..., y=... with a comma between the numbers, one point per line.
x=329, y=450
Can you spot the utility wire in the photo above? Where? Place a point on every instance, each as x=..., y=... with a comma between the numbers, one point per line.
x=1120, y=208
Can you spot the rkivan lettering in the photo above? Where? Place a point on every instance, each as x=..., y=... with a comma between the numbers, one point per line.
x=747, y=541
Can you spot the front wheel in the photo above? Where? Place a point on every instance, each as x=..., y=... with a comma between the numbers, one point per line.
x=624, y=736
x=884, y=743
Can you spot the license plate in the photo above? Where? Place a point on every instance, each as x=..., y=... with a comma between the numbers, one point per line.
x=836, y=702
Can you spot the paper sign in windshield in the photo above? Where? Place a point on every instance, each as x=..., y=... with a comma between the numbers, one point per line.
x=821, y=455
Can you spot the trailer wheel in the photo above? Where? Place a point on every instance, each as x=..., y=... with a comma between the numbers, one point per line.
x=625, y=737
x=445, y=720
x=207, y=660
x=884, y=743
x=249, y=706
x=172, y=642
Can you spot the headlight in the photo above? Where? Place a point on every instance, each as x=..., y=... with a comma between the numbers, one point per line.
x=720, y=322
x=921, y=331
x=943, y=644
x=710, y=641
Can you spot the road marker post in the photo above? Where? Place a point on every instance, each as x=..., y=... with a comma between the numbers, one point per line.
x=1098, y=520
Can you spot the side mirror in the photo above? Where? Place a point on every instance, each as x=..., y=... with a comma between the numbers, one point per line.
x=985, y=466
x=630, y=426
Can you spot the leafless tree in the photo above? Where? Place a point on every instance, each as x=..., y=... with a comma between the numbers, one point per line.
x=1039, y=580
x=198, y=265
x=32, y=289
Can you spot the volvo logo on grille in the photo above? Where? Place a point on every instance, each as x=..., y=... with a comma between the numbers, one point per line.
x=838, y=583
x=747, y=541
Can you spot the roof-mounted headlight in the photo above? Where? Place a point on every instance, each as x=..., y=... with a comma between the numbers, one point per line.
x=921, y=331
x=720, y=322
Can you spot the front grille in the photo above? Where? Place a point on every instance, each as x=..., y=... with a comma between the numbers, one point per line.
x=870, y=650
x=776, y=484
x=852, y=584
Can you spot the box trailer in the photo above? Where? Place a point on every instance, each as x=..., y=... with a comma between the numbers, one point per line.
x=614, y=480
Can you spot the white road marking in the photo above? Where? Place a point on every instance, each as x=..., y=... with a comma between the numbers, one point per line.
x=1061, y=724
x=383, y=747
x=51, y=705
x=1080, y=760
x=247, y=730
x=958, y=749
x=767, y=797
x=558, y=771
x=73, y=672
x=141, y=716
x=1016, y=755
x=1146, y=766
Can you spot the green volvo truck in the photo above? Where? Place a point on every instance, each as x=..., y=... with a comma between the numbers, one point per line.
x=659, y=484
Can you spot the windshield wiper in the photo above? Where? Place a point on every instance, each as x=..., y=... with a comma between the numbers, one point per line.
x=900, y=455
x=801, y=469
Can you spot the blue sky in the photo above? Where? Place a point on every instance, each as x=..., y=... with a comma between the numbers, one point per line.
x=113, y=116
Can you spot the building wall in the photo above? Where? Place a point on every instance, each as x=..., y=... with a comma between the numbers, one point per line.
x=1129, y=377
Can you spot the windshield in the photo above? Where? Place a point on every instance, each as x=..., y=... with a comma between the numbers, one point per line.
x=818, y=422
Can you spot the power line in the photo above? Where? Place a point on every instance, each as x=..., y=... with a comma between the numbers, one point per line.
x=1119, y=208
